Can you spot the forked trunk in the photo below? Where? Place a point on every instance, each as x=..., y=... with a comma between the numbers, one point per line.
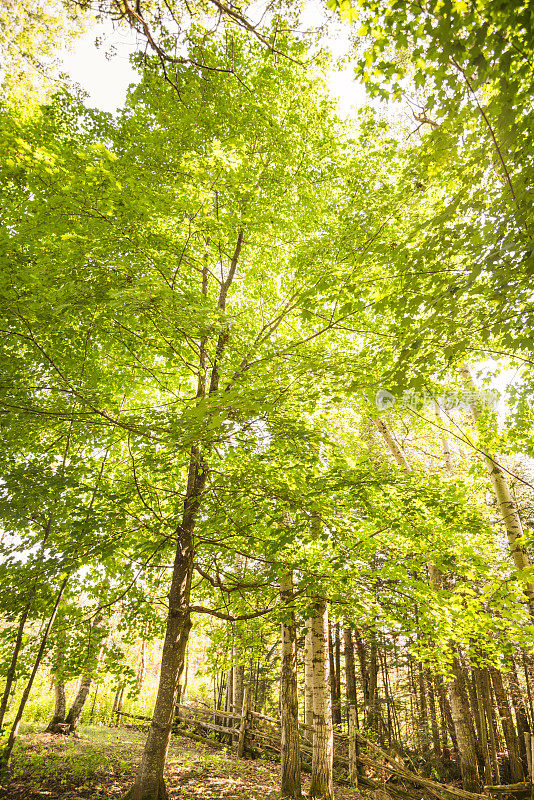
x=75, y=711
x=60, y=707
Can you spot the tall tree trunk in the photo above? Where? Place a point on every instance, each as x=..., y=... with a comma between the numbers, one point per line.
x=229, y=699
x=6, y=753
x=141, y=665
x=322, y=785
x=332, y=671
x=350, y=683
x=239, y=687
x=423, y=727
x=520, y=711
x=308, y=680
x=436, y=746
x=485, y=737
x=464, y=730
x=362, y=659
x=336, y=711
x=289, y=706
x=510, y=735
x=372, y=715
x=149, y=783
x=446, y=711
x=508, y=507
x=10, y=677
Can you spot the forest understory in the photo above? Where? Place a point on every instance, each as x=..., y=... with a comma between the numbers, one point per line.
x=101, y=764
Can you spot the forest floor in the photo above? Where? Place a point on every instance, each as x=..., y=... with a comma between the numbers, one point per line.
x=102, y=762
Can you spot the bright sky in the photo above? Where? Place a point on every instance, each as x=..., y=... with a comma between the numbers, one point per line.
x=105, y=73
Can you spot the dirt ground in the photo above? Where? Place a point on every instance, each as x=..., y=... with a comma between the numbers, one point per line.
x=101, y=765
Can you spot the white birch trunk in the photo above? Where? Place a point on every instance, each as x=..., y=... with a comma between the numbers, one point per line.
x=508, y=508
x=322, y=786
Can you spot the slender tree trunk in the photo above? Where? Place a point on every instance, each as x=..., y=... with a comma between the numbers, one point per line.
x=10, y=677
x=322, y=786
x=520, y=711
x=229, y=700
x=141, y=666
x=491, y=722
x=509, y=512
x=350, y=682
x=332, y=671
x=436, y=746
x=510, y=735
x=464, y=730
x=149, y=783
x=6, y=754
x=446, y=710
x=336, y=713
x=372, y=717
x=484, y=728
x=308, y=680
x=423, y=708
x=289, y=706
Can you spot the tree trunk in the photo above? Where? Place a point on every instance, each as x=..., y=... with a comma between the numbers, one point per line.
x=336, y=711
x=510, y=735
x=289, y=706
x=484, y=728
x=73, y=717
x=350, y=683
x=322, y=786
x=372, y=713
x=509, y=512
x=6, y=754
x=141, y=666
x=423, y=726
x=10, y=677
x=308, y=680
x=149, y=783
x=60, y=706
x=520, y=711
x=239, y=687
x=433, y=716
x=332, y=671
x=464, y=730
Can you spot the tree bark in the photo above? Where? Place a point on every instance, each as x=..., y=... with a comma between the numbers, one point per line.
x=289, y=706
x=322, y=785
x=520, y=711
x=436, y=745
x=10, y=677
x=350, y=683
x=464, y=730
x=308, y=680
x=149, y=783
x=239, y=687
x=6, y=753
x=509, y=512
x=60, y=706
x=510, y=735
